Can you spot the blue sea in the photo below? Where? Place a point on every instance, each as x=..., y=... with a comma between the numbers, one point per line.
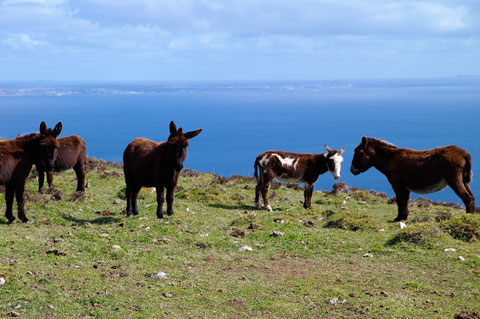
x=242, y=119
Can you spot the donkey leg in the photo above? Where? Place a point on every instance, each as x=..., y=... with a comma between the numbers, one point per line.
x=258, y=190
x=41, y=179
x=469, y=190
x=19, y=194
x=456, y=183
x=403, y=196
x=135, y=191
x=266, y=185
x=307, y=194
x=50, y=179
x=129, y=195
x=160, y=201
x=170, y=197
x=79, y=169
x=9, y=195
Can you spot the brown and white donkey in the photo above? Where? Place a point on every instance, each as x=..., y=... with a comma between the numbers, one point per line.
x=293, y=167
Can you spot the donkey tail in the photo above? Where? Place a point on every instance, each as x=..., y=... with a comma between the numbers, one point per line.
x=256, y=170
x=467, y=170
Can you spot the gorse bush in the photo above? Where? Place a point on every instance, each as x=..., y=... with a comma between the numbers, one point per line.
x=464, y=227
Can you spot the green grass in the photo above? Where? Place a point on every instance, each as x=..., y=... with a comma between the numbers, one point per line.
x=208, y=276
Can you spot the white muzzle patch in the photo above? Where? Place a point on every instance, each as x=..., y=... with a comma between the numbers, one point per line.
x=338, y=159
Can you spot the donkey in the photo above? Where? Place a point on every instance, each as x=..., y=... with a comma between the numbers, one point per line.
x=292, y=167
x=16, y=160
x=71, y=154
x=151, y=164
x=417, y=171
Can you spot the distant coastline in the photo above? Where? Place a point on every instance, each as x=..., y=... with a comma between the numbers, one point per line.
x=49, y=88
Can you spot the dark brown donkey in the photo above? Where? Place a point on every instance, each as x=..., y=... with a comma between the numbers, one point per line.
x=71, y=154
x=293, y=167
x=147, y=163
x=417, y=171
x=16, y=160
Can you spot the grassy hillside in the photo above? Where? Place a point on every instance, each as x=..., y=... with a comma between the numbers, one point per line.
x=83, y=258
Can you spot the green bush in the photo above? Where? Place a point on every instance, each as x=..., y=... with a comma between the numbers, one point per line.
x=352, y=220
x=418, y=233
x=464, y=227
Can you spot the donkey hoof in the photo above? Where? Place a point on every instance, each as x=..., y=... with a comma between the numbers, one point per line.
x=269, y=208
x=11, y=219
x=258, y=206
x=170, y=213
x=160, y=216
x=26, y=220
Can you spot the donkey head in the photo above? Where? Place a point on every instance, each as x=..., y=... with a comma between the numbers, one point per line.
x=178, y=143
x=362, y=159
x=48, y=145
x=334, y=161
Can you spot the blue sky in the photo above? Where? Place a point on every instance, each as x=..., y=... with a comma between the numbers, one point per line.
x=157, y=40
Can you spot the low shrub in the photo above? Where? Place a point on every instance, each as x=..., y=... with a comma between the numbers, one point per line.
x=418, y=233
x=352, y=220
x=463, y=227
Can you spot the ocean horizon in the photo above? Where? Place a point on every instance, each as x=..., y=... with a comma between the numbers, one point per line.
x=242, y=119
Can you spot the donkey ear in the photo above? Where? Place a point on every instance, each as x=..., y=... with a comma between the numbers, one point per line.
x=192, y=134
x=328, y=148
x=341, y=151
x=57, y=130
x=173, y=128
x=364, y=141
x=43, y=128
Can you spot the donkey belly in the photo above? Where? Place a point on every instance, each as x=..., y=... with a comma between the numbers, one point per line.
x=429, y=188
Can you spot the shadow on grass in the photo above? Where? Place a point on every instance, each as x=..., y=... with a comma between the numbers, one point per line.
x=98, y=221
x=225, y=206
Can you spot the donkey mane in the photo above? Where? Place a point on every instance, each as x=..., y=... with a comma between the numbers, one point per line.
x=382, y=142
x=27, y=136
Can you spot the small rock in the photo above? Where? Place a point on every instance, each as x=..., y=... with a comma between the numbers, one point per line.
x=308, y=223
x=335, y=301
x=88, y=185
x=384, y=293
x=58, y=240
x=203, y=235
x=340, y=188
x=381, y=229
x=159, y=275
x=104, y=235
x=461, y=258
x=187, y=209
x=116, y=246
x=368, y=255
x=117, y=201
x=168, y=294
x=402, y=225
x=13, y=314
x=165, y=239
x=246, y=248
x=277, y=233
x=10, y=261
x=237, y=233
x=154, y=240
x=29, y=273
x=362, y=202
x=2, y=281
x=147, y=228
x=449, y=249
x=56, y=252
x=51, y=306
x=19, y=306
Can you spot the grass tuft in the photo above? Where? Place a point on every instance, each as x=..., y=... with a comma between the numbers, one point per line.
x=464, y=227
